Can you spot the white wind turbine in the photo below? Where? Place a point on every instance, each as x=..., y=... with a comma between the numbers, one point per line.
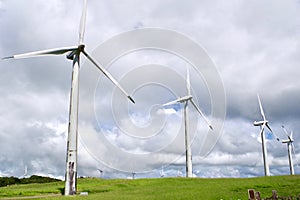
x=179, y=173
x=73, y=54
x=186, y=100
x=25, y=172
x=101, y=172
x=264, y=123
x=162, y=173
x=133, y=175
x=290, y=147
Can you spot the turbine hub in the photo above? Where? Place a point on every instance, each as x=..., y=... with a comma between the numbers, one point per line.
x=81, y=47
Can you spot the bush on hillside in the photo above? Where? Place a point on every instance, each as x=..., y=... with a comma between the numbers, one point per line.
x=4, y=181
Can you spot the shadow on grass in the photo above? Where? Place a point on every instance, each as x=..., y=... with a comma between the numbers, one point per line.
x=62, y=190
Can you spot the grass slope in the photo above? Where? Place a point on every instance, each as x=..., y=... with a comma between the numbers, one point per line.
x=163, y=188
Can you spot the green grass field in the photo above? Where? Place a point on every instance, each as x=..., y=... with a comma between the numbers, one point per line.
x=161, y=188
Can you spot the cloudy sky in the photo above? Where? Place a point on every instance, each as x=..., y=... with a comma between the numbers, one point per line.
x=254, y=46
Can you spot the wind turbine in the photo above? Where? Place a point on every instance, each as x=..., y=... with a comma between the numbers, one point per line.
x=290, y=147
x=74, y=55
x=186, y=100
x=179, y=173
x=133, y=175
x=25, y=172
x=162, y=174
x=264, y=123
x=101, y=172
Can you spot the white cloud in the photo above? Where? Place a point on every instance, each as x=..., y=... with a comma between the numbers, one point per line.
x=254, y=44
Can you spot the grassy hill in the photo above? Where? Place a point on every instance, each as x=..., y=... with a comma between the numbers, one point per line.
x=162, y=188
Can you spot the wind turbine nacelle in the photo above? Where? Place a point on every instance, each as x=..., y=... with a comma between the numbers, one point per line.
x=184, y=99
x=287, y=141
x=259, y=123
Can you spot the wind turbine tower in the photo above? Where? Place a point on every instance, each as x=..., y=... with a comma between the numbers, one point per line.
x=74, y=55
x=290, y=148
x=185, y=100
x=25, y=171
x=263, y=123
x=162, y=173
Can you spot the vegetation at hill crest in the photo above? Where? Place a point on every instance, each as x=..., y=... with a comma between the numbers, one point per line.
x=5, y=181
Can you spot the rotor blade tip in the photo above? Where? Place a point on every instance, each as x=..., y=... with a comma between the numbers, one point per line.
x=210, y=126
x=131, y=99
x=7, y=57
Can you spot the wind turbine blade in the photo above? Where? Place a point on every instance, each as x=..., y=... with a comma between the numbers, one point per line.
x=171, y=102
x=200, y=112
x=261, y=108
x=82, y=22
x=293, y=149
x=290, y=137
x=285, y=131
x=188, y=83
x=267, y=125
x=56, y=51
x=103, y=70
